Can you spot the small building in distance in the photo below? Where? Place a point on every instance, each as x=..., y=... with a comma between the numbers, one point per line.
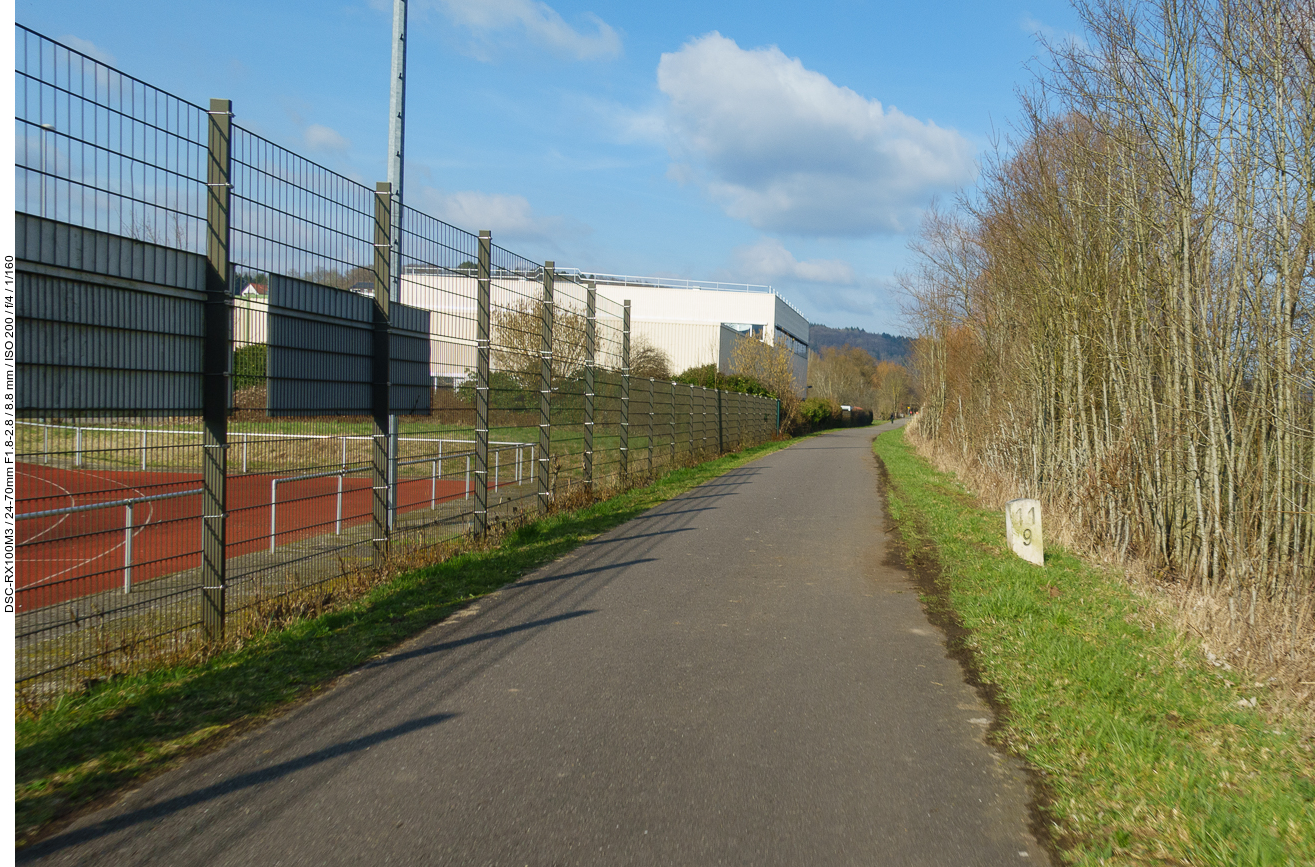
x=698, y=322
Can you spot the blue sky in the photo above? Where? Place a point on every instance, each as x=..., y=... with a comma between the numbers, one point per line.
x=788, y=144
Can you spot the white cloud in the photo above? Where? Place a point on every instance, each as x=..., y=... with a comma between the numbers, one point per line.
x=769, y=260
x=322, y=138
x=538, y=21
x=507, y=217
x=785, y=149
x=1051, y=37
x=89, y=48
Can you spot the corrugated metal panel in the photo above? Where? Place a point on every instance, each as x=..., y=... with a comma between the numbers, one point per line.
x=708, y=306
x=321, y=347
x=409, y=366
x=726, y=348
x=791, y=321
x=88, y=347
x=65, y=246
x=687, y=344
x=250, y=320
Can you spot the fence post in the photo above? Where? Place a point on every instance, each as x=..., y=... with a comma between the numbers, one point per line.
x=691, y=397
x=703, y=419
x=672, y=421
x=545, y=389
x=721, y=429
x=379, y=369
x=650, y=426
x=215, y=363
x=590, y=346
x=625, y=390
x=482, y=383
x=127, y=547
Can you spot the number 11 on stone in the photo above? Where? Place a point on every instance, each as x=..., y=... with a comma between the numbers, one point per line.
x=1023, y=527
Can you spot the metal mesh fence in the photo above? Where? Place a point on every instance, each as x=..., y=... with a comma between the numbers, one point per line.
x=99, y=149
x=368, y=401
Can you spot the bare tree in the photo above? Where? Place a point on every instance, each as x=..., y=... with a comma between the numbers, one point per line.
x=1121, y=315
x=518, y=340
x=773, y=366
x=647, y=360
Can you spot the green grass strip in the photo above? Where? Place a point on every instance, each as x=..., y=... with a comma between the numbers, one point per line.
x=90, y=745
x=1145, y=755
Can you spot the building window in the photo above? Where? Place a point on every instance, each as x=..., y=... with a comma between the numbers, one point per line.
x=788, y=340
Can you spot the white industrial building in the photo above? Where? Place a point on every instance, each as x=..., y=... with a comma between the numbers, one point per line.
x=694, y=323
x=697, y=323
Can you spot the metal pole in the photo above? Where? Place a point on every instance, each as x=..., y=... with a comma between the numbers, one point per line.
x=273, y=508
x=625, y=390
x=396, y=139
x=482, y=384
x=217, y=357
x=544, y=453
x=649, y=432
x=127, y=548
x=379, y=372
x=590, y=324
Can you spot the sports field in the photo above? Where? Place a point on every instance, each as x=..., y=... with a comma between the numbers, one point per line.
x=146, y=524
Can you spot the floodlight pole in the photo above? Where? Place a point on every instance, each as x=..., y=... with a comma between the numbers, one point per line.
x=396, y=137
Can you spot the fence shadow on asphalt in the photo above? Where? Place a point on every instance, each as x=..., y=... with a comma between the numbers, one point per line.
x=233, y=784
x=548, y=579
x=657, y=514
x=431, y=649
x=615, y=539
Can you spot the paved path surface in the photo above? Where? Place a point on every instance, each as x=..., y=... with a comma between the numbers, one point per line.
x=735, y=677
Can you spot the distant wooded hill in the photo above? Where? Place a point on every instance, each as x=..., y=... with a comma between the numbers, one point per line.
x=882, y=347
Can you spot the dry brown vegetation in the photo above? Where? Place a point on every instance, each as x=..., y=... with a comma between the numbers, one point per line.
x=1119, y=320
x=849, y=375
x=517, y=343
x=1265, y=641
x=773, y=367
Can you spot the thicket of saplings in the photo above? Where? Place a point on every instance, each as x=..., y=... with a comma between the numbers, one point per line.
x=1119, y=318
x=841, y=375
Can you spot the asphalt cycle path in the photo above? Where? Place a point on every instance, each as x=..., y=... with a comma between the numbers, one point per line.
x=738, y=676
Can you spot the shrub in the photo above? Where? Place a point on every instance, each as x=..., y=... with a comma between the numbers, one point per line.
x=820, y=412
x=249, y=366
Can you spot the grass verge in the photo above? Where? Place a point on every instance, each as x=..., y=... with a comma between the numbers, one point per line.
x=88, y=746
x=1146, y=752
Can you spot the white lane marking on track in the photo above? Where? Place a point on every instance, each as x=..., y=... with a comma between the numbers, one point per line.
x=107, y=551
x=72, y=501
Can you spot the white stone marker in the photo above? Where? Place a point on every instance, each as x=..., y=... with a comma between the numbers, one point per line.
x=1023, y=527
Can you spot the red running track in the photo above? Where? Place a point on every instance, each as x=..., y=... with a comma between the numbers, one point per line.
x=63, y=557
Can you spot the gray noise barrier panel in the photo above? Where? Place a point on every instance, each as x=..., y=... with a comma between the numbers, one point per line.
x=320, y=349
x=105, y=324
